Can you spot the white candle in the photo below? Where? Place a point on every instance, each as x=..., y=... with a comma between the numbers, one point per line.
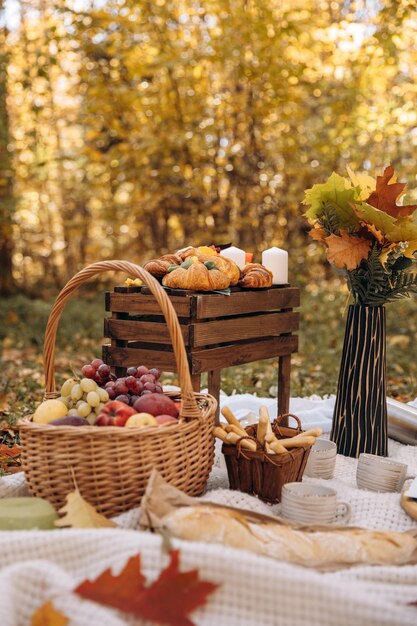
x=276, y=261
x=235, y=254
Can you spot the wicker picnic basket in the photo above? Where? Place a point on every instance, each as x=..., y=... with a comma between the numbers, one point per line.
x=262, y=474
x=111, y=465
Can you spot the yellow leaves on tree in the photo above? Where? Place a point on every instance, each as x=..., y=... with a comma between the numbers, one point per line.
x=47, y=615
x=347, y=251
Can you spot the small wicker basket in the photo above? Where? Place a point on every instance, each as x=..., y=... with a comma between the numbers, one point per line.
x=112, y=465
x=262, y=474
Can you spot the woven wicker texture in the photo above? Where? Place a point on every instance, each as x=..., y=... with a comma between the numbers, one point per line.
x=112, y=465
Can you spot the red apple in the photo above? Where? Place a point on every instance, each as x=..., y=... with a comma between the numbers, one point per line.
x=155, y=404
x=114, y=413
x=166, y=419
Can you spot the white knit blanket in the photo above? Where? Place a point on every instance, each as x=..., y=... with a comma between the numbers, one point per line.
x=254, y=590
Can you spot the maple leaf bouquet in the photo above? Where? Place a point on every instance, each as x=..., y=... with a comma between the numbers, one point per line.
x=373, y=240
x=367, y=235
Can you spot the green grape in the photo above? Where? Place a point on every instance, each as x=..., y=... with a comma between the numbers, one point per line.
x=67, y=387
x=91, y=418
x=104, y=396
x=76, y=392
x=83, y=408
x=93, y=398
x=98, y=408
x=73, y=412
x=65, y=401
x=87, y=385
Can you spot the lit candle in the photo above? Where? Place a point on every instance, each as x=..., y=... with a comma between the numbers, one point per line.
x=26, y=513
x=276, y=261
x=235, y=254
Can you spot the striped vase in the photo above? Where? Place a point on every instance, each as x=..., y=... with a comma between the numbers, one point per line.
x=360, y=413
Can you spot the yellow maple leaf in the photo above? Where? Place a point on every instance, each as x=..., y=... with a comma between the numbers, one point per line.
x=47, y=615
x=366, y=183
x=411, y=248
x=80, y=514
x=347, y=251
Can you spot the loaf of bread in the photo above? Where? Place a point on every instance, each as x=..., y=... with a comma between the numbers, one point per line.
x=291, y=544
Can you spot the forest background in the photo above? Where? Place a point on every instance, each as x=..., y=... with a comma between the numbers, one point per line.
x=130, y=128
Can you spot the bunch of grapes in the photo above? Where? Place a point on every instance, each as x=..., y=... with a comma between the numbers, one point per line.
x=138, y=381
x=98, y=371
x=83, y=398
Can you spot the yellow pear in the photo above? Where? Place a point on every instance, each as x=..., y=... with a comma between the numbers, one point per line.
x=49, y=410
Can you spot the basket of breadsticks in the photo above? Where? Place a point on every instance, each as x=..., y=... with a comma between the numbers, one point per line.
x=262, y=457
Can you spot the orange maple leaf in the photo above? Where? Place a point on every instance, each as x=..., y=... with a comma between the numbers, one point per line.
x=318, y=234
x=386, y=195
x=374, y=231
x=347, y=251
x=47, y=615
x=168, y=600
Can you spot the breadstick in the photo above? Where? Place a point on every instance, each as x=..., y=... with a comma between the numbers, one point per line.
x=295, y=442
x=276, y=447
x=227, y=413
x=220, y=433
x=245, y=443
x=313, y=432
x=270, y=450
x=262, y=425
x=231, y=428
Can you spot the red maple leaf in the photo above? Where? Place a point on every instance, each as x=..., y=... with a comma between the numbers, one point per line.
x=168, y=600
x=386, y=195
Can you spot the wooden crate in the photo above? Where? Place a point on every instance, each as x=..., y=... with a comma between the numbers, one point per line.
x=219, y=331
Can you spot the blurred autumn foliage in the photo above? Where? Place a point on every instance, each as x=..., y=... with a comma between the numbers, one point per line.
x=129, y=127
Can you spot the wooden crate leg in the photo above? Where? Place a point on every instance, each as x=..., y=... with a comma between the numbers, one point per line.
x=284, y=373
x=196, y=382
x=214, y=388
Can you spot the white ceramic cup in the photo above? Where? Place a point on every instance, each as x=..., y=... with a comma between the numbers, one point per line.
x=312, y=504
x=322, y=459
x=379, y=473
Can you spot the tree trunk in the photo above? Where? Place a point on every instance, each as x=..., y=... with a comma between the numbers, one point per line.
x=6, y=183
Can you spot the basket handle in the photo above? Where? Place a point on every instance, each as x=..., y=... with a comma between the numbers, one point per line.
x=285, y=416
x=189, y=404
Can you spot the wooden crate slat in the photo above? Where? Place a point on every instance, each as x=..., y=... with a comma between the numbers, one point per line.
x=239, y=303
x=135, y=330
x=130, y=357
x=245, y=352
x=135, y=303
x=240, y=328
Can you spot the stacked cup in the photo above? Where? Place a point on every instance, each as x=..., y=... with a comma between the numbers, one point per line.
x=377, y=473
x=322, y=459
x=312, y=504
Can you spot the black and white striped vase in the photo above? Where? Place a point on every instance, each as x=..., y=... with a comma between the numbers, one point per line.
x=360, y=413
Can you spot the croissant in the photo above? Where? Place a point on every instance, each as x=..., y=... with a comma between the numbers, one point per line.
x=184, y=253
x=159, y=267
x=197, y=277
x=255, y=276
x=225, y=265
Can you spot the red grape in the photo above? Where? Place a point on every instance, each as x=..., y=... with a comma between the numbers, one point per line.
x=158, y=389
x=111, y=392
x=145, y=391
x=88, y=371
x=123, y=398
x=139, y=387
x=104, y=370
x=113, y=377
x=120, y=387
x=131, y=371
x=96, y=363
x=141, y=370
x=155, y=372
x=150, y=387
x=130, y=383
x=98, y=379
x=109, y=384
x=133, y=400
x=147, y=378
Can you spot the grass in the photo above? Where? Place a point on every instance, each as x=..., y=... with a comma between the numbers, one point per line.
x=314, y=368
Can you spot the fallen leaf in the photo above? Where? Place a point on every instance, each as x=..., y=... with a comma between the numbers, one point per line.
x=347, y=251
x=80, y=514
x=168, y=600
x=5, y=399
x=47, y=615
x=387, y=193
